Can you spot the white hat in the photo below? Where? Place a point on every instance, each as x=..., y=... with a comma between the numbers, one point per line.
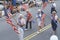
x=54, y=4
x=39, y=9
x=53, y=37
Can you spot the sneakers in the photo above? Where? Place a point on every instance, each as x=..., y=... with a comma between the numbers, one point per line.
x=26, y=29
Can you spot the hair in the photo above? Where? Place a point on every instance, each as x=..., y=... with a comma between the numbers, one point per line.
x=54, y=12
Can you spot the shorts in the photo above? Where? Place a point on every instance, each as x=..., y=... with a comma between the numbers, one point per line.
x=54, y=27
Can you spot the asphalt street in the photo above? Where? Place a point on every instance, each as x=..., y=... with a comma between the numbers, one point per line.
x=7, y=33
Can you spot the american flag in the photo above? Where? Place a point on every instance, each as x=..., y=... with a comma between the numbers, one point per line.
x=9, y=21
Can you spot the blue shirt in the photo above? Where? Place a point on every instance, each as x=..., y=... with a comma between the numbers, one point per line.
x=14, y=2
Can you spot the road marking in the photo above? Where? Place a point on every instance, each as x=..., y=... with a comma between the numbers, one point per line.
x=35, y=33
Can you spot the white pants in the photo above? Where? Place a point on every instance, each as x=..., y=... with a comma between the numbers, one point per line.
x=21, y=33
x=39, y=22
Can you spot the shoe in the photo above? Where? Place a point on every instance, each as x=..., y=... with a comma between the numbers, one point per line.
x=26, y=29
x=38, y=32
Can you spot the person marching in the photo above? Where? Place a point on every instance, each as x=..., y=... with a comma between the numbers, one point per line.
x=54, y=19
x=21, y=23
x=28, y=20
x=40, y=19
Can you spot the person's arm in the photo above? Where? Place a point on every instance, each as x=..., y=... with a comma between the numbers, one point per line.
x=58, y=20
x=43, y=16
x=56, y=17
x=22, y=23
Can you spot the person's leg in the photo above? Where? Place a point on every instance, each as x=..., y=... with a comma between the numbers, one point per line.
x=21, y=34
x=42, y=24
x=52, y=25
x=22, y=38
x=26, y=24
x=44, y=4
x=55, y=29
x=39, y=27
x=30, y=24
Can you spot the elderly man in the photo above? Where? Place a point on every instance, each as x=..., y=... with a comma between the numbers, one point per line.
x=28, y=20
x=21, y=23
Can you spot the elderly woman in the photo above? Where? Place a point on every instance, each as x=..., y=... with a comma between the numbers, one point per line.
x=28, y=19
x=54, y=19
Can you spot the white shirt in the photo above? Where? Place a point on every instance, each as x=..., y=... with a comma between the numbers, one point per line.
x=21, y=21
x=38, y=16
